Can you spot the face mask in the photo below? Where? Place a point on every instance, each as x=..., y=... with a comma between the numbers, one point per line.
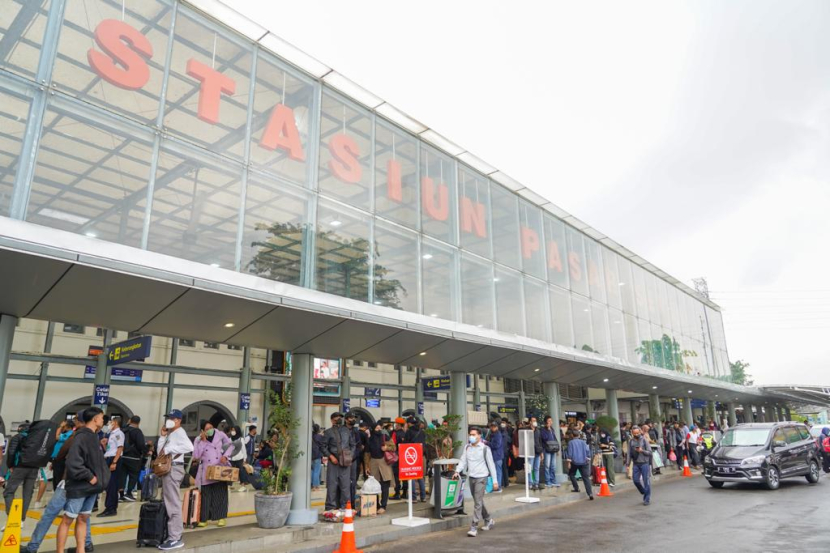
x=233, y=432
x=169, y=424
x=504, y=426
x=534, y=424
x=210, y=433
x=473, y=439
x=338, y=422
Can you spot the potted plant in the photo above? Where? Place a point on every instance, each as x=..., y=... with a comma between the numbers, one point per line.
x=440, y=438
x=273, y=501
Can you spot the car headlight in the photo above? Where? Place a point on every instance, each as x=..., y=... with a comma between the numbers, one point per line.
x=757, y=460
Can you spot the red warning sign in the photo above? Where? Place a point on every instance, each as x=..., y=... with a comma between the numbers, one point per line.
x=411, y=462
x=11, y=541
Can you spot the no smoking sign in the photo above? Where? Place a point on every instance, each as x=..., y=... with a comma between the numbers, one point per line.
x=411, y=462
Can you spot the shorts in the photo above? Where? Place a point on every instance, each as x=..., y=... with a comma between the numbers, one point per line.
x=44, y=474
x=79, y=506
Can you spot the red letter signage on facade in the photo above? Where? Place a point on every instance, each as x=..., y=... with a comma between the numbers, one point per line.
x=281, y=132
x=554, y=260
x=441, y=211
x=394, y=189
x=126, y=46
x=344, y=163
x=530, y=242
x=472, y=217
x=593, y=274
x=214, y=84
x=575, y=266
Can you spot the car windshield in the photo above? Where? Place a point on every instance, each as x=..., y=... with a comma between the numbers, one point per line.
x=740, y=437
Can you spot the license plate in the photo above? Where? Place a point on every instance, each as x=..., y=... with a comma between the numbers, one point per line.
x=728, y=469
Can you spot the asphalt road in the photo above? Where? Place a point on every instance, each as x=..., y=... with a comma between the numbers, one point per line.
x=684, y=515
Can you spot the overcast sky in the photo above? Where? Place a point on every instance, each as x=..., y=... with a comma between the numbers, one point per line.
x=694, y=133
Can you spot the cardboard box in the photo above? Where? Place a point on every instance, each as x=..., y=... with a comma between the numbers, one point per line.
x=222, y=474
x=368, y=505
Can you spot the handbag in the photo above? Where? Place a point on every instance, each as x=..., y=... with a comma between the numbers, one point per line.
x=552, y=446
x=345, y=457
x=672, y=456
x=248, y=468
x=163, y=464
x=390, y=455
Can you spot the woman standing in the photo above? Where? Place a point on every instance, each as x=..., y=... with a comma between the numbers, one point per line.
x=238, y=459
x=316, y=456
x=378, y=445
x=212, y=447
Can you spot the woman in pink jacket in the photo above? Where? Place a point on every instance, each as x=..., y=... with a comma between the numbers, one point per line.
x=212, y=447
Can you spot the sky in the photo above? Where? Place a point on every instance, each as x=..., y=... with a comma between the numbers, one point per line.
x=694, y=133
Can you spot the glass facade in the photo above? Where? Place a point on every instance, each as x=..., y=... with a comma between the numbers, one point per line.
x=159, y=128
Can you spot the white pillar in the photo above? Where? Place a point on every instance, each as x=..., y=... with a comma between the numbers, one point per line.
x=613, y=412
x=458, y=405
x=302, y=388
x=733, y=418
x=656, y=413
x=551, y=390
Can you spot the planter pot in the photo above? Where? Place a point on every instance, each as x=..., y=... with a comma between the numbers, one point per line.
x=272, y=510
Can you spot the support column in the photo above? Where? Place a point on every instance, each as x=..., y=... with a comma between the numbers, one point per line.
x=712, y=411
x=302, y=389
x=656, y=413
x=522, y=408
x=732, y=417
x=44, y=372
x=476, y=394
x=244, y=385
x=614, y=412
x=458, y=405
x=551, y=390
x=779, y=410
x=400, y=390
x=419, y=392
x=788, y=413
x=171, y=376
x=761, y=415
x=487, y=395
x=632, y=406
x=687, y=411
x=102, y=373
x=7, y=326
x=749, y=413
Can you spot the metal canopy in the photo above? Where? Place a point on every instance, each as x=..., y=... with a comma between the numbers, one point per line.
x=56, y=275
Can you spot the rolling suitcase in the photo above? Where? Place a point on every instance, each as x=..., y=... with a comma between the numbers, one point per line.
x=596, y=475
x=149, y=487
x=152, y=525
x=191, y=507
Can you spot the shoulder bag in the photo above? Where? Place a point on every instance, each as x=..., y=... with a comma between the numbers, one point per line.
x=163, y=464
x=390, y=454
x=552, y=446
x=345, y=457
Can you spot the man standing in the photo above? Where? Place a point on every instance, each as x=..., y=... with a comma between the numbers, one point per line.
x=680, y=443
x=414, y=435
x=135, y=447
x=173, y=441
x=550, y=442
x=87, y=475
x=495, y=442
x=609, y=451
x=115, y=449
x=397, y=436
x=250, y=444
x=19, y=474
x=357, y=454
x=538, y=453
x=507, y=441
x=580, y=456
x=639, y=453
x=477, y=461
x=338, y=446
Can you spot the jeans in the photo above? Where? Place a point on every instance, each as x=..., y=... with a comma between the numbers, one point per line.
x=550, y=469
x=50, y=513
x=642, y=479
x=505, y=472
x=499, y=471
x=423, y=490
x=316, y=469
x=111, y=501
x=585, y=472
x=79, y=505
x=534, y=471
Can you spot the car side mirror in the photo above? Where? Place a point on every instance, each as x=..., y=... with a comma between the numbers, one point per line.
x=778, y=443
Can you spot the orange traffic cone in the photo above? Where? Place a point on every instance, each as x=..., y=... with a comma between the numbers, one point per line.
x=604, y=489
x=686, y=470
x=347, y=543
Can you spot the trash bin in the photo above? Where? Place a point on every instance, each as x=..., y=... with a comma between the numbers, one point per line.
x=450, y=498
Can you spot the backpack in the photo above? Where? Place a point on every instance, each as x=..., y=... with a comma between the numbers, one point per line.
x=826, y=444
x=36, y=445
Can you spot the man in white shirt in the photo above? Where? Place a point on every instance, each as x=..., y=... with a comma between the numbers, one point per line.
x=477, y=460
x=173, y=441
x=115, y=447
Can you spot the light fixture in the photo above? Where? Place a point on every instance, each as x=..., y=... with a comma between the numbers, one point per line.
x=537, y=369
x=215, y=265
x=335, y=223
x=92, y=235
x=605, y=380
x=422, y=353
x=690, y=391
x=496, y=279
x=716, y=395
x=63, y=216
x=654, y=387
x=229, y=325
x=621, y=283
x=427, y=256
x=433, y=314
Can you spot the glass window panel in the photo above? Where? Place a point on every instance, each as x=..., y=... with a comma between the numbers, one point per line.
x=694, y=358
x=22, y=24
x=438, y=197
x=596, y=276
x=396, y=175
x=674, y=310
x=281, y=122
x=195, y=207
x=532, y=239
x=616, y=325
x=653, y=299
x=476, y=292
x=560, y=310
x=342, y=251
x=396, y=267
x=439, y=272
x=626, y=283
x=14, y=109
x=645, y=348
x=91, y=176
x=632, y=343
x=663, y=299
x=612, y=278
x=583, y=338
x=576, y=262
x=556, y=251
x=505, y=216
x=639, y=276
x=201, y=53
x=660, y=356
x=84, y=67
x=672, y=351
x=599, y=321
x=509, y=307
x=536, y=310
x=474, y=211
x=276, y=229
x=346, y=151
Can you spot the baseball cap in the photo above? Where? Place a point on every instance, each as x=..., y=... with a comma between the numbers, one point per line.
x=336, y=414
x=400, y=420
x=175, y=414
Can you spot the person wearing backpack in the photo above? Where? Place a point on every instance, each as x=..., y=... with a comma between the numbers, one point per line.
x=824, y=443
x=28, y=451
x=551, y=446
x=135, y=448
x=477, y=461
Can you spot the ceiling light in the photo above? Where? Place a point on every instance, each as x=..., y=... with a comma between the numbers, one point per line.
x=690, y=391
x=216, y=265
x=654, y=387
x=229, y=325
x=536, y=370
x=621, y=283
x=605, y=380
x=433, y=314
x=422, y=353
x=377, y=302
x=427, y=256
x=496, y=279
x=63, y=216
x=91, y=235
x=336, y=223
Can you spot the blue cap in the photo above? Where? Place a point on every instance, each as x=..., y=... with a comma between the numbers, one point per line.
x=175, y=414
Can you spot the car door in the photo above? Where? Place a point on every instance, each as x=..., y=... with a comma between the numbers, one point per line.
x=808, y=448
x=794, y=452
x=780, y=451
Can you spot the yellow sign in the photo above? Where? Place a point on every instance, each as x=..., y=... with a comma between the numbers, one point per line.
x=11, y=536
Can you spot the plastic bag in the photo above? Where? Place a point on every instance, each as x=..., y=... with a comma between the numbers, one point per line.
x=672, y=456
x=370, y=486
x=489, y=487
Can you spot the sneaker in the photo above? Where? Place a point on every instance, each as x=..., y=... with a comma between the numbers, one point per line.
x=488, y=525
x=170, y=544
x=222, y=523
x=555, y=485
x=591, y=497
x=128, y=498
x=646, y=503
x=108, y=513
x=473, y=532
x=498, y=490
x=89, y=549
x=201, y=524
x=38, y=505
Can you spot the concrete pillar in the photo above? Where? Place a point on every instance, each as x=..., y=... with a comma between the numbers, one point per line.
x=171, y=376
x=7, y=326
x=522, y=408
x=345, y=386
x=749, y=413
x=687, y=411
x=788, y=413
x=44, y=372
x=780, y=410
x=102, y=372
x=712, y=411
x=419, y=391
x=732, y=417
x=614, y=412
x=244, y=385
x=476, y=394
x=762, y=416
x=302, y=390
x=656, y=412
x=458, y=405
x=551, y=390
x=632, y=405
x=487, y=395
x=399, y=369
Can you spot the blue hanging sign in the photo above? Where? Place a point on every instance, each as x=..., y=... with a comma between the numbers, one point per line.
x=372, y=403
x=347, y=404
x=421, y=408
x=245, y=401
x=136, y=349
x=101, y=394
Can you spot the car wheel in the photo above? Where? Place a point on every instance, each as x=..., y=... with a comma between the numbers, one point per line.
x=813, y=476
x=716, y=485
x=773, y=478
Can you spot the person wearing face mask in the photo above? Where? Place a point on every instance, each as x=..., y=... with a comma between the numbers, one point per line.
x=115, y=448
x=377, y=466
x=507, y=445
x=357, y=454
x=538, y=453
x=639, y=453
x=338, y=447
x=477, y=462
x=495, y=442
x=316, y=456
x=414, y=435
x=173, y=441
x=238, y=459
x=212, y=447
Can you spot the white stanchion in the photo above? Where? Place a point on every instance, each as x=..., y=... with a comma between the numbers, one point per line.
x=527, y=451
x=410, y=521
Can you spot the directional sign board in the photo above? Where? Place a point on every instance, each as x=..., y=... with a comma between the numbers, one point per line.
x=372, y=403
x=410, y=461
x=136, y=349
x=347, y=404
x=436, y=383
x=508, y=408
x=245, y=401
x=371, y=392
x=127, y=375
x=421, y=408
x=101, y=394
